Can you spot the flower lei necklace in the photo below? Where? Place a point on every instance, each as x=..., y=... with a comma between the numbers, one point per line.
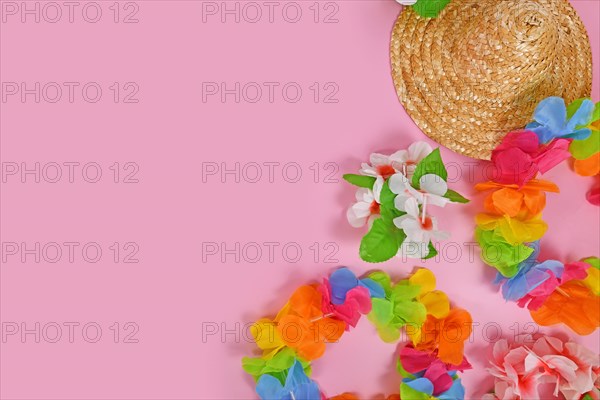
x=393, y=196
x=512, y=226
x=321, y=313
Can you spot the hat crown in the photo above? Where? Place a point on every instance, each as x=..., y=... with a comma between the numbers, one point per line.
x=478, y=70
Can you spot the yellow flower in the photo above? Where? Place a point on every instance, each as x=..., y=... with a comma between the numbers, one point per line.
x=435, y=301
x=266, y=335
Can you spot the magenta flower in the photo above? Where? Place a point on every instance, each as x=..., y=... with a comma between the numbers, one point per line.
x=357, y=302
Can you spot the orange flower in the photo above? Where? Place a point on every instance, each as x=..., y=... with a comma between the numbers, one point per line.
x=447, y=335
x=588, y=167
x=511, y=200
x=305, y=328
x=573, y=304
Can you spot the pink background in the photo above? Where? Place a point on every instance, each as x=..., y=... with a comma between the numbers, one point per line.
x=170, y=133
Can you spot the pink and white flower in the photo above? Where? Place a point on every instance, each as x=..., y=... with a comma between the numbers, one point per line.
x=407, y=160
x=365, y=210
x=382, y=167
x=433, y=189
x=419, y=230
x=527, y=366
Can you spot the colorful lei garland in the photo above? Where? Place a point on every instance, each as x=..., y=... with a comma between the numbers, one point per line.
x=320, y=313
x=509, y=231
x=541, y=367
x=394, y=194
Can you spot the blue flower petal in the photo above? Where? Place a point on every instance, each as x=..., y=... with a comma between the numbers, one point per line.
x=551, y=114
x=296, y=376
x=519, y=285
x=529, y=277
x=544, y=133
x=269, y=388
x=423, y=385
x=580, y=134
x=375, y=289
x=532, y=125
x=582, y=117
x=551, y=120
x=536, y=252
x=556, y=267
x=307, y=391
x=499, y=278
x=341, y=281
x=456, y=392
x=300, y=385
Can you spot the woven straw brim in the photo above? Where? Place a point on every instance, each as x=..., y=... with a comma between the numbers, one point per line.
x=478, y=70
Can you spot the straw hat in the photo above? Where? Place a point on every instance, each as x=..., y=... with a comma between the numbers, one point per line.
x=479, y=69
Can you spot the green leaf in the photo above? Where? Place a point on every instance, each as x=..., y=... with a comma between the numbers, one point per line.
x=387, y=208
x=380, y=243
x=432, y=164
x=389, y=214
x=455, y=197
x=387, y=197
x=432, y=252
x=360, y=180
x=430, y=8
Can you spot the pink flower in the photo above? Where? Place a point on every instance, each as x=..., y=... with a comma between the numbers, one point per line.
x=519, y=157
x=522, y=366
x=508, y=366
x=358, y=301
x=571, y=366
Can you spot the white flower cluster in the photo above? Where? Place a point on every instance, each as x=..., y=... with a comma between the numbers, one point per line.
x=398, y=169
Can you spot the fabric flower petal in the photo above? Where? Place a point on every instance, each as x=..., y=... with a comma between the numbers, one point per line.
x=341, y=281
x=551, y=115
x=436, y=303
x=419, y=150
x=433, y=184
x=588, y=167
x=268, y=388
